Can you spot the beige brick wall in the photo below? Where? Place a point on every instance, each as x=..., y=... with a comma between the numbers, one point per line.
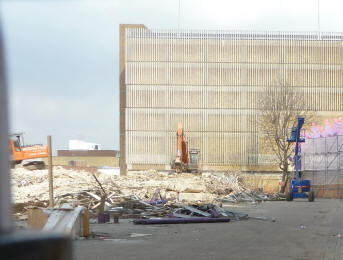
x=85, y=161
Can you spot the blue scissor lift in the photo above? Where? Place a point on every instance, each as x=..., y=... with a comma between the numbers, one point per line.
x=299, y=188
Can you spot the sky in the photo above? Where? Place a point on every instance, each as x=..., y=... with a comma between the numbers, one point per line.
x=63, y=56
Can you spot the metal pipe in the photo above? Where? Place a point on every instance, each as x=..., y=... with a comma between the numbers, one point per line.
x=152, y=221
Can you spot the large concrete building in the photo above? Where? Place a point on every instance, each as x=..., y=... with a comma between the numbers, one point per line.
x=209, y=81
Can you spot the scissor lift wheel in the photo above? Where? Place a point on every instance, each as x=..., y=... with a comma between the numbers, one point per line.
x=289, y=196
x=311, y=196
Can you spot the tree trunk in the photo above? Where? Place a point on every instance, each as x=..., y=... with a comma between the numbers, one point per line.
x=283, y=189
x=284, y=179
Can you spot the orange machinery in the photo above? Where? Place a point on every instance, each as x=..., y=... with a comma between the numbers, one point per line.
x=28, y=154
x=185, y=160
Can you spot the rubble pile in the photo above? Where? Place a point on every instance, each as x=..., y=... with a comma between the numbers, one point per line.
x=29, y=186
x=251, y=196
x=203, y=213
x=136, y=194
x=183, y=187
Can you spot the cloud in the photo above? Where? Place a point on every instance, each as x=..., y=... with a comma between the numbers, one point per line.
x=63, y=56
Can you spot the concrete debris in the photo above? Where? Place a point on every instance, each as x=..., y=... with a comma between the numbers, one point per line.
x=206, y=210
x=133, y=207
x=251, y=196
x=206, y=213
x=139, y=235
x=196, y=211
x=66, y=220
x=109, y=170
x=150, y=197
x=236, y=215
x=80, y=188
x=140, y=194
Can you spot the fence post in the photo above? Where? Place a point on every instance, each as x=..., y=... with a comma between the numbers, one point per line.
x=337, y=155
x=314, y=157
x=51, y=185
x=326, y=161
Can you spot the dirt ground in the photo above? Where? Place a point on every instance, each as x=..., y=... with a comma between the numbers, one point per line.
x=302, y=231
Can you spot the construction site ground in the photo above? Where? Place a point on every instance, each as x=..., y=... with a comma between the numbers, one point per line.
x=302, y=231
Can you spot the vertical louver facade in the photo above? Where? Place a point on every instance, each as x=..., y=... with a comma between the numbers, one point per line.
x=209, y=81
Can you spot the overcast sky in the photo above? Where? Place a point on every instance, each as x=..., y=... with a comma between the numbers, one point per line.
x=63, y=56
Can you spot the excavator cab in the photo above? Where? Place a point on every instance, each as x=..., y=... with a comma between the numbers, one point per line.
x=30, y=155
x=17, y=142
x=17, y=145
x=194, y=160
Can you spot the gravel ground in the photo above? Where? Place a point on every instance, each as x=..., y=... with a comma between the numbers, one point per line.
x=302, y=231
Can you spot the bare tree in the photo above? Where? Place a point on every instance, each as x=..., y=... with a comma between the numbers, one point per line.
x=279, y=108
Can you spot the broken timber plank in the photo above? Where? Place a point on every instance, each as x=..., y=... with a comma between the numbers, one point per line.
x=93, y=195
x=98, y=198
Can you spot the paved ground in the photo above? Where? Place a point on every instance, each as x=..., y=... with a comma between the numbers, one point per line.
x=302, y=231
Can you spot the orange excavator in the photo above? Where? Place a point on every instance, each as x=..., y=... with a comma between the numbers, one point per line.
x=27, y=155
x=185, y=161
